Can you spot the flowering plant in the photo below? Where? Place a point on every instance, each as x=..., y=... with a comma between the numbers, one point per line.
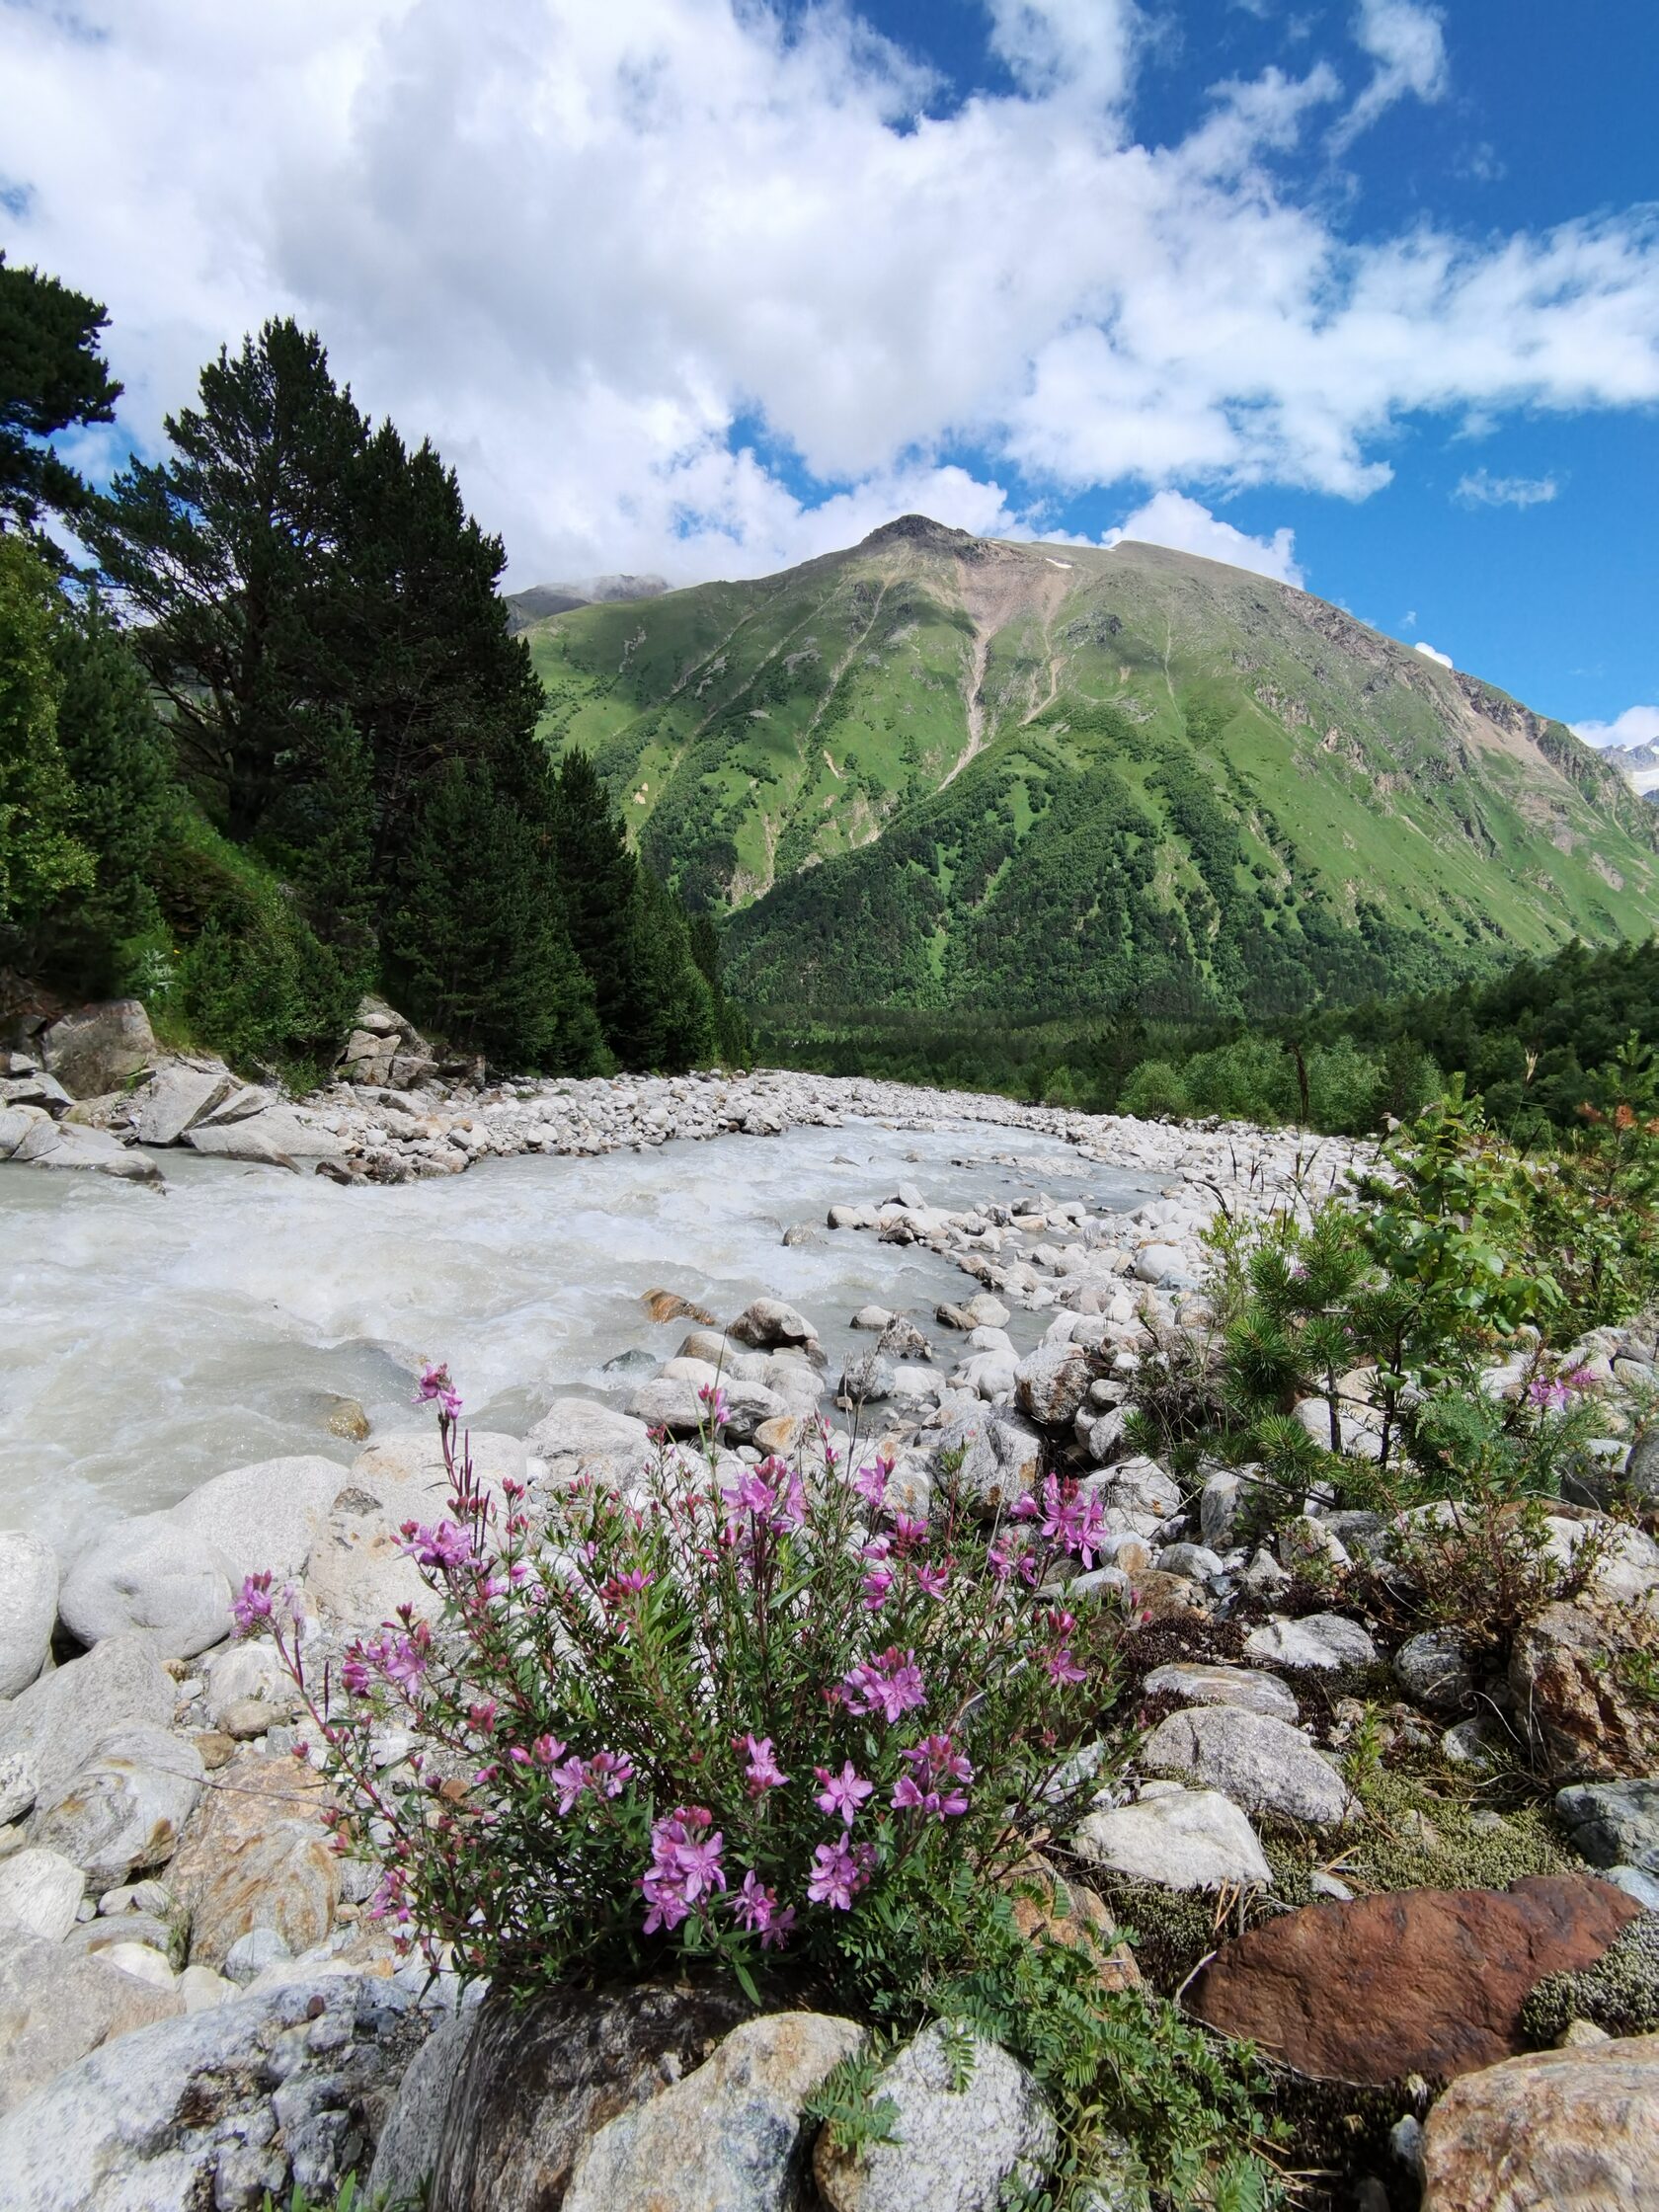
x=728, y=1710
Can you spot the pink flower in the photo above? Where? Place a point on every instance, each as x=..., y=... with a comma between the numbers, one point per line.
x=871, y=1482
x=251, y=1608
x=569, y=1779
x=776, y=1933
x=547, y=1749
x=843, y=1792
x=878, y=1583
x=404, y=1659
x=934, y=1580
x=754, y=1905
x=932, y=1762
x=1070, y=1517
x=684, y=1865
x=483, y=1717
x=435, y=1388
x=609, y=1773
x=445, y=1546
x=715, y=1404
x=833, y=1877
x=762, y=1772
x=1001, y=1558
x=890, y=1685
x=907, y=1531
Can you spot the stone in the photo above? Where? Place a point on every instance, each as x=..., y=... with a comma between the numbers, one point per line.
x=1002, y=1455
x=358, y=1571
x=1321, y=1641
x=964, y=2149
x=56, y=2008
x=1141, y=1490
x=263, y=1518
x=1568, y=1691
x=250, y=1955
x=874, y=1318
x=1414, y=1981
x=533, y=2085
x=1156, y=1596
x=1051, y=1382
x=1644, y=1889
x=669, y=1402
x=44, y=1091
x=1156, y=1263
x=241, y=1672
x=1217, y=1510
x=1575, y=2129
x=177, y=1097
x=1613, y=1824
x=1224, y=1686
x=258, y=1857
x=57, y=1723
x=1263, y=1765
x=769, y=1322
x=203, y=1990
x=15, y=1123
x=903, y=1340
x=29, y=1577
x=152, y=1576
x=1641, y=1470
x=92, y=1938
x=1194, y=1562
x=40, y=1892
x=67, y=1145
x=19, y=1786
x=866, y=1380
x=732, y=2137
x=1433, y=1670
x=1305, y=1542
x=142, y=1960
x=407, y=2151
x=1187, y=1839
x=279, y=2090
x=96, y=1049
x=253, y=1142
x=125, y=1809
x=574, y=1436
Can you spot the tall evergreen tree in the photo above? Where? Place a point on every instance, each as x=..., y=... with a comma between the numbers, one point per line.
x=40, y=857
x=603, y=903
x=52, y=378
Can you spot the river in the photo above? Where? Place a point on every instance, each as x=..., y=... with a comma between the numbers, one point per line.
x=151, y=1341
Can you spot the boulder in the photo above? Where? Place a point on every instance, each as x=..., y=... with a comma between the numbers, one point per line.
x=97, y=1049
x=769, y=1322
x=240, y=1673
x=1263, y=1765
x=1224, y=1686
x=16, y=1122
x=667, y=1402
x=254, y=1141
x=1433, y=1670
x=869, y=1378
x=574, y=1436
x=19, y=1786
x=1576, y=2129
x=407, y=2152
x=968, y=2146
x=280, y=2089
x=257, y=1856
x=1051, y=1382
x=67, y=1145
x=265, y=1517
x=1414, y=1981
x=405, y=1470
x=732, y=2137
x=534, y=2083
x=1001, y=1455
x=56, y=2008
x=1613, y=1823
x=1569, y=1693
x=28, y=1608
x=154, y=1577
x=40, y=1893
x=1322, y=1642
x=125, y=1809
x=57, y=1723
x=178, y=1096
x=358, y=1571
x=1140, y=1493
x=1182, y=1838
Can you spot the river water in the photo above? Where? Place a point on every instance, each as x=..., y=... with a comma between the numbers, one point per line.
x=149, y=1341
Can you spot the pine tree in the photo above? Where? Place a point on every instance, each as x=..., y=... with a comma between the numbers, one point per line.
x=52, y=378
x=673, y=1024
x=41, y=858
x=604, y=901
x=479, y=939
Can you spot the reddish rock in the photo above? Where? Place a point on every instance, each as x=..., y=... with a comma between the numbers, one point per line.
x=1419, y=1981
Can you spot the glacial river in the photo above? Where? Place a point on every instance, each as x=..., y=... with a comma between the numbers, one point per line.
x=149, y=1341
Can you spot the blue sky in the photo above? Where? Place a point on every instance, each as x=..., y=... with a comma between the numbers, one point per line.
x=1363, y=294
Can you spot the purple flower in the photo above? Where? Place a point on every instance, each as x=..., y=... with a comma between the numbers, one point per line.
x=837, y=1875
x=569, y=1779
x=841, y=1794
x=753, y=1905
x=445, y=1546
x=907, y=1531
x=547, y=1749
x=1058, y=1659
x=684, y=1865
x=871, y=1482
x=1548, y=1397
x=715, y=1404
x=934, y=1580
x=251, y=1608
x=1071, y=1518
x=878, y=1583
x=933, y=1761
x=609, y=1773
x=404, y=1659
x=762, y=1772
x=483, y=1717
x=435, y=1388
x=890, y=1685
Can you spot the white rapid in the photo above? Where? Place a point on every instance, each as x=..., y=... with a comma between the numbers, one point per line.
x=149, y=1341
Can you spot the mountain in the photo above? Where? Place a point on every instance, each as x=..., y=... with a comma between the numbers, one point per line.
x=1638, y=764
x=542, y=600
x=945, y=771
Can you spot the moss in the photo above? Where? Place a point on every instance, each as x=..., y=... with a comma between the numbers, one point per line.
x=1416, y=1838
x=1619, y=1992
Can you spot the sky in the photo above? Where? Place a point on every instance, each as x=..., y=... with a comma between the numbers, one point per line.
x=1363, y=296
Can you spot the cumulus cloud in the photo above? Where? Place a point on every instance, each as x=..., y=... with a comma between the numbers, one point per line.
x=1431, y=652
x=1635, y=726
x=1407, y=43
x=1482, y=489
x=1171, y=519
x=581, y=251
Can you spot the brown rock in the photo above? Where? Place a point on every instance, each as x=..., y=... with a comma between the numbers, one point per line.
x=1072, y=1915
x=257, y=1855
x=1570, y=2131
x=1158, y=1596
x=1420, y=1981
x=1565, y=1675
x=780, y=1434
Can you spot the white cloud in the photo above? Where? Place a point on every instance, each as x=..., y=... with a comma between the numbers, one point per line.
x=1408, y=620
x=578, y=251
x=1171, y=519
x=1431, y=652
x=1481, y=489
x=1407, y=43
x=1635, y=726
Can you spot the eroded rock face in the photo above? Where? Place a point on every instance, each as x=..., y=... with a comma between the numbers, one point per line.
x=150, y=1576
x=1575, y=2129
x=953, y=2147
x=1568, y=1691
x=58, y=1722
x=257, y=1855
x=535, y=2085
x=125, y=1809
x=1417, y=1981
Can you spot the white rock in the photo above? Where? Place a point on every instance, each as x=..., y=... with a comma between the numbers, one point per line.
x=125, y=1810
x=142, y=1960
x=1224, y=1686
x=1321, y=1641
x=1181, y=1839
x=1263, y=1765
x=177, y=1097
x=57, y=1724
x=150, y=1575
x=265, y=1517
x=40, y=1891
x=28, y=1608
x=575, y=1435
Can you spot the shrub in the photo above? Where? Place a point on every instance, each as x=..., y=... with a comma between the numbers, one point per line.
x=1154, y=1091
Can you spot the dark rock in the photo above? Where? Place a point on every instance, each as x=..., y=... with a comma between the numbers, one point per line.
x=1613, y=1823
x=1418, y=1981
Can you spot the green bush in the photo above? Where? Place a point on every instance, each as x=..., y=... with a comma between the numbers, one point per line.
x=1154, y=1093
x=257, y=986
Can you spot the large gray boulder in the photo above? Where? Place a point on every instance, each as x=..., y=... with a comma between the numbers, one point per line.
x=265, y=1516
x=1263, y=1765
x=97, y=1049
x=768, y=1323
x=67, y=1145
x=282, y=2086
x=1198, y=1685
x=28, y=1609
x=1181, y=1839
x=54, y=2008
x=1320, y=1642
x=151, y=1576
x=1612, y=1822
x=575, y=1437
x=57, y=1724
x=1051, y=1382
x=40, y=1893
x=732, y=2137
x=405, y=1470
x=963, y=2149
x=999, y=1454
x=125, y=1812
x=178, y=1097
x=407, y=2152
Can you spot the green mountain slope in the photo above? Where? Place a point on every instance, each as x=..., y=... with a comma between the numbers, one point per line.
x=945, y=771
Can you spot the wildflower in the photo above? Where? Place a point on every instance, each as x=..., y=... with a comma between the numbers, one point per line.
x=1058, y=1659
x=843, y=1792
x=871, y=1482
x=1070, y=1517
x=404, y=1659
x=909, y=1532
x=609, y=1773
x=934, y=1580
x=435, y=1388
x=762, y=1772
x=878, y=1583
x=251, y=1608
x=1548, y=1397
x=483, y=1716
x=932, y=1762
x=754, y=1906
x=569, y=1779
x=890, y=1685
x=833, y=1877
x=1000, y=1558
x=684, y=1865
x=547, y=1749
x=445, y=1546
x=776, y=1933
x=716, y=1405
